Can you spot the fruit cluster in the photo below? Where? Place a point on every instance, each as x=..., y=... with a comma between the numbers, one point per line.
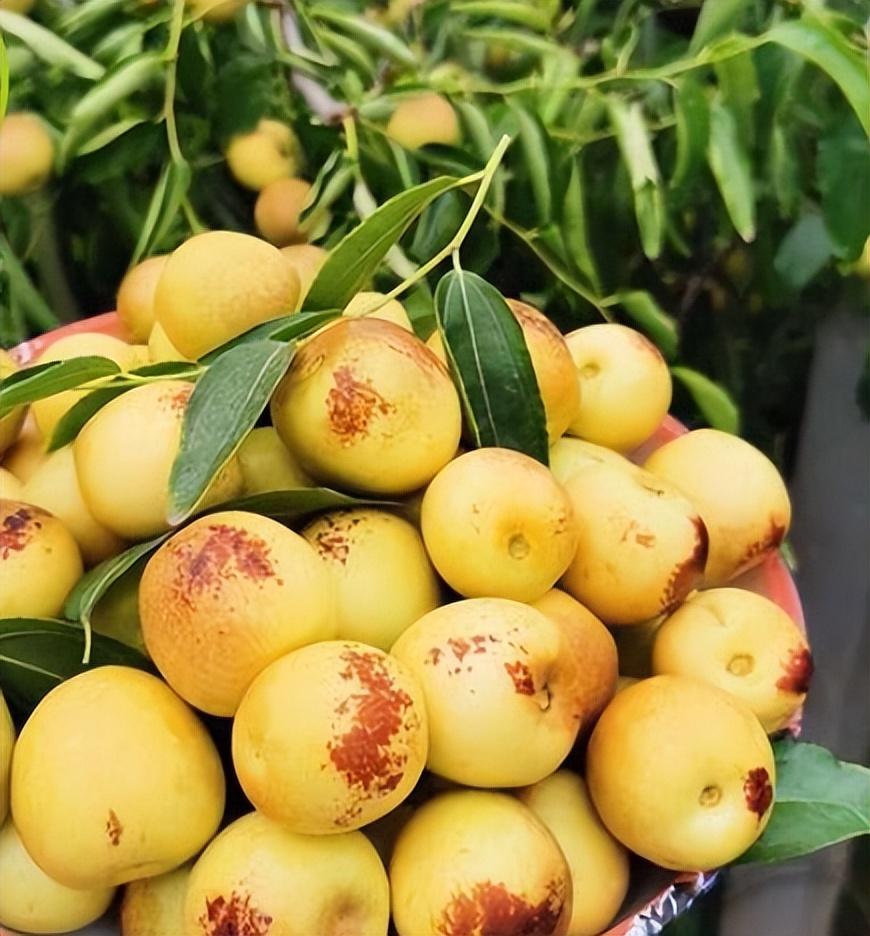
x=428, y=680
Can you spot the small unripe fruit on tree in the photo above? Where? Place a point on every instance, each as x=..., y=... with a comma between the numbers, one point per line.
x=135, y=299
x=424, y=118
x=277, y=210
x=265, y=154
x=26, y=154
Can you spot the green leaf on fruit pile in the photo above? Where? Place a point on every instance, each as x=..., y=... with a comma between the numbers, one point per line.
x=651, y=318
x=843, y=174
x=731, y=168
x=357, y=255
x=225, y=405
x=296, y=503
x=713, y=401
x=491, y=364
x=44, y=380
x=285, y=328
x=819, y=801
x=95, y=583
x=37, y=654
x=73, y=420
x=637, y=152
x=49, y=47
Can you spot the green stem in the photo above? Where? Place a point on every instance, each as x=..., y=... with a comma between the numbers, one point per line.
x=171, y=56
x=45, y=253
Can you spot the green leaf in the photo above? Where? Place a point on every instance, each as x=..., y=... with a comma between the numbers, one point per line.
x=49, y=47
x=819, y=801
x=693, y=131
x=296, y=503
x=109, y=134
x=284, y=328
x=814, y=39
x=37, y=654
x=4, y=78
x=574, y=228
x=74, y=419
x=652, y=318
x=44, y=380
x=368, y=33
x=784, y=170
x=484, y=140
x=512, y=11
x=359, y=253
x=713, y=401
x=729, y=162
x=169, y=192
x=739, y=92
x=490, y=362
x=843, y=175
x=94, y=584
x=86, y=14
x=533, y=142
x=637, y=152
x=225, y=404
x=716, y=18
x=804, y=252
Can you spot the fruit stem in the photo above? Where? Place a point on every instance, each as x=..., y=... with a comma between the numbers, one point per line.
x=171, y=56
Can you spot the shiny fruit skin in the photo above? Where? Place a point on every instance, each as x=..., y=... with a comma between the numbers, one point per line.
x=155, y=906
x=355, y=750
x=503, y=688
x=484, y=539
x=681, y=773
x=27, y=451
x=625, y=386
x=26, y=153
x=742, y=643
x=642, y=545
x=306, y=260
x=267, y=465
x=738, y=492
x=382, y=578
x=269, y=152
x=84, y=758
x=160, y=348
x=10, y=487
x=48, y=411
x=135, y=299
x=570, y=456
x=54, y=486
x=423, y=119
x=7, y=743
x=470, y=862
x=367, y=406
x=219, y=284
x=223, y=598
x=277, y=211
x=598, y=863
x=126, y=484
x=391, y=311
x=257, y=877
x=32, y=902
x=39, y=561
x=11, y=423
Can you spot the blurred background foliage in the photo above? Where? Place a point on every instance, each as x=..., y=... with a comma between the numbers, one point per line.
x=700, y=172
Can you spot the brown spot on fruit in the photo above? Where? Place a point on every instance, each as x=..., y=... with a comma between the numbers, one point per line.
x=459, y=647
x=647, y=540
x=332, y=545
x=18, y=528
x=757, y=791
x=434, y=655
x=798, y=672
x=352, y=404
x=688, y=573
x=225, y=553
x=364, y=753
x=521, y=675
x=114, y=829
x=176, y=398
x=233, y=917
x=492, y=910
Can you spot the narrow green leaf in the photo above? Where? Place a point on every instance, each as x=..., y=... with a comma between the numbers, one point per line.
x=44, y=380
x=86, y=14
x=843, y=175
x=512, y=11
x=716, y=18
x=284, y=328
x=515, y=39
x=713, y=401
x=533, y=141
x=163, y=209
x=637, y=152
x=729, y=162
x=49, y=47
x=74, y=419
x=296, y=503
x=4, y=78
x=491, y=364
x=645, y=311
x=844, y=63
x=784, y=170
x=359, y=253
x=574, y=228
x=693, y=131
x=95, y=583
x=225, y=404
x=37, y=654
x=109, y=135
x=819, y=801
x=368, y=33
x=804, y=252
x=739, y=92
